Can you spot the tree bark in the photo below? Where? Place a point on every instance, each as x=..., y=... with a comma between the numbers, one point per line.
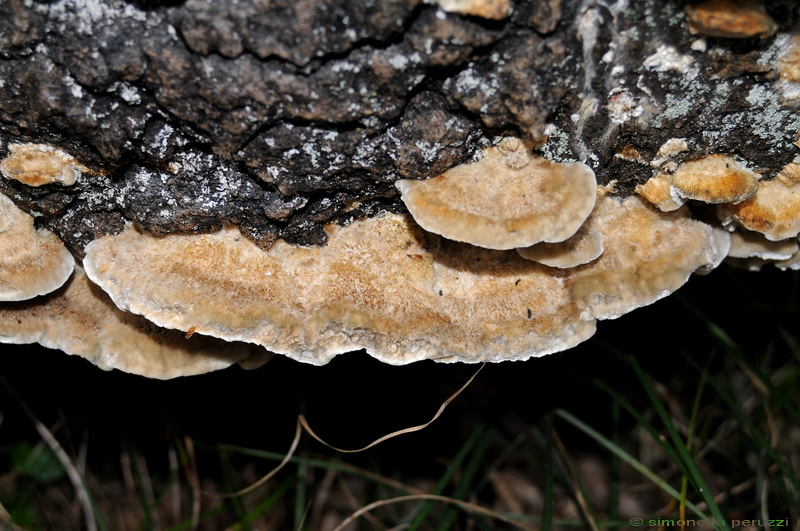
x=281, y=116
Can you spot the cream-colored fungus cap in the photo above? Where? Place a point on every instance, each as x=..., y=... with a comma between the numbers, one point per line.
x=40, y=164
x=508, y=199
x=403, y=294
x=648, y=255
x=747, y=244
x=379, y=283
x=32, y=262
x=715, y=179
x=580, y=248
x=775, y=210
x=81, y=320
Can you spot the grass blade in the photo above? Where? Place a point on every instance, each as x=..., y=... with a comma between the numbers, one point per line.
x=447, y=477
x=752, y=429
x=688, y=465
x=465, y=481
x=626, y=457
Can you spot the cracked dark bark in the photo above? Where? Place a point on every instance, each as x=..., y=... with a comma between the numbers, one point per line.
x=279, y=117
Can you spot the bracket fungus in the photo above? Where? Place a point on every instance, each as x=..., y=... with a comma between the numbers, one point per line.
x=747, y=244
x=660, y=192
x=507, y=199
x=81, y=320
x=403, y=294
x=733, y=19
x=40, y=164
x=580, y=248
x=648, y=255
x=489, y=9
x=32, y=262
x=775, y=210
x=714, y=179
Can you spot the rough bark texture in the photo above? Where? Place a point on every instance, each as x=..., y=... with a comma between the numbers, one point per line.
x=279, y=116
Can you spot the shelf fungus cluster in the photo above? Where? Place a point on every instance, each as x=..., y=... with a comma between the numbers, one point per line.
x=506, y=258
x=258, y=172
x=46, y=299
x=766, y=225
x=387, y=285
x=763, y=218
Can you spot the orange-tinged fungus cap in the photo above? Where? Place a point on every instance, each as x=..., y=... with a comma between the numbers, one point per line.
x=715, y=179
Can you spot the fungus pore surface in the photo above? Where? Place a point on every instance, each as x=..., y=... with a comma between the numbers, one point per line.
x=747, y=244
x=403, y=294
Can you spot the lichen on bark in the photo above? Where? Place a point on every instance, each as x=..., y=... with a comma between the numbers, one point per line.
x=279, y=117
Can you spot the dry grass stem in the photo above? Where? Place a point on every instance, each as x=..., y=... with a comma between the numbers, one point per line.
x=576, y=486
x=190, y=469
x=302, y=420
x=302, y=423
x=72, y=471
x=470, y=507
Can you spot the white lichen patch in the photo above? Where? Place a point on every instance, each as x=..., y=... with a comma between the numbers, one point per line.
x=85, y=16
x=40, y=164
x=127, y=92
x=667, y=151
x=789, y=67
x=622, y=107
x=667, y=58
